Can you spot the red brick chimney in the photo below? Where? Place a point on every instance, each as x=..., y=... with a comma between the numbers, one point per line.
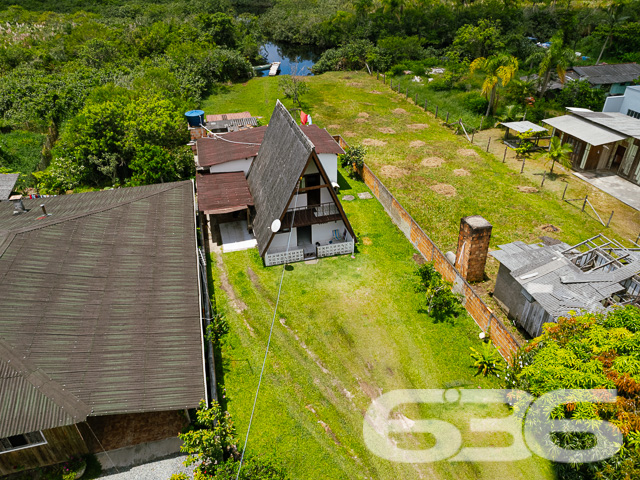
x=473, y=246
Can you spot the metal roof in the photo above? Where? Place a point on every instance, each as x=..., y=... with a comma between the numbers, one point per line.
x=621, y=123
x=223, y=192
x=525, y=126
x=7, y=182
x=228, y=116
x=102, y=298
x=584, y=129
x=608, y=74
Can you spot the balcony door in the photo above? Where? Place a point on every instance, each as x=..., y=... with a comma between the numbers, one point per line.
x=313, y=196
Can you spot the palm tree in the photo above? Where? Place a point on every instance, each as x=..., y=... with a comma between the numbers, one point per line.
x=557, y=57
x=559, y=152
x=499, y=67
x=613, y=18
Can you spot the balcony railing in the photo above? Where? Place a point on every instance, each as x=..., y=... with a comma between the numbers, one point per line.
x=311, y=215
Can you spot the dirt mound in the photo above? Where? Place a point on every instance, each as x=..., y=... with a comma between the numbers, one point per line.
x=375, y=92
x=360, y=120
x=461, y=172
x=367, y=241
x=432, y=162
x=386, y=130
x=444, y=189
x=363, y=115
x=393, y=172
x=549, y=228
x=350, y=134
x=467, y=152
x=417, y=126
x=524, y=189
x=354, y=84
x=372, y=142
x=417, y=144
x=399, y=111
x=334, y=127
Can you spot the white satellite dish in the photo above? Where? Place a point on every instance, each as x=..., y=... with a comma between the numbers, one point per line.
x=275, y=225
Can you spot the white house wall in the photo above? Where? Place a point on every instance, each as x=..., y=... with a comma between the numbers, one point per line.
x=329, y=162
x=233, y=166
x=323, y=232
x=629, y=101
x=280, y=240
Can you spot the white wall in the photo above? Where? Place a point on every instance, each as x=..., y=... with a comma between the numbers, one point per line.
x=329, y=162
x=233, y=166
x=280, y=240
x=323, y=232
x=629, y=101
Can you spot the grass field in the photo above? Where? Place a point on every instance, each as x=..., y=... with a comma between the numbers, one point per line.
x=347, y=330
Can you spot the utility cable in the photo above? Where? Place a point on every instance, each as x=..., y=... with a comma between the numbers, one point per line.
x=221, y=137
x=275, y=311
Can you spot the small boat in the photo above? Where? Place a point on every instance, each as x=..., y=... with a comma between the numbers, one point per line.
x=259, y=68
x=275, y=66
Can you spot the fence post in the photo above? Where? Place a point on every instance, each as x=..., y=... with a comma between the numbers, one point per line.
x=504, y=157
x=447, y=120
x=609, y=219
x=398, y=87
x=416, y=99
x=522, y=169
x=565, y=190
x=544, y=175
x=488, y=143
x=473, y=134
x=377, y=75
x=481, y=120
x=584, y=204
x=406, y=93
x=436, y=111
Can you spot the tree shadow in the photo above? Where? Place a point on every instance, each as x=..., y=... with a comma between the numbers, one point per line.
x=343, y=182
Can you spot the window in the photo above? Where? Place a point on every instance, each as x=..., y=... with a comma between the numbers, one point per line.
x=25, y=440
x=633, y=113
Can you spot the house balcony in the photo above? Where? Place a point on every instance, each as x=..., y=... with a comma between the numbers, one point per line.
x=311, y=215
x=340, y=246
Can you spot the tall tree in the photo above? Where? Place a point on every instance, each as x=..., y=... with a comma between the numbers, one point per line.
x=557, y=57
x=497, y=68
x=613, y=18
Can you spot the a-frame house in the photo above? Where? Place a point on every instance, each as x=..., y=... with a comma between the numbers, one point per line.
x=288, y=182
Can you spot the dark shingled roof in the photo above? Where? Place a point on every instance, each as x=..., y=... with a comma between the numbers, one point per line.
x=214, y=151
x=100, y=301
x=7, y=182
x=223, y=192
x=608, y=74
x=281, y=160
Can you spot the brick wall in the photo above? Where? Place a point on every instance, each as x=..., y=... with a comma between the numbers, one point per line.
x=479, y=311
x=118, y=431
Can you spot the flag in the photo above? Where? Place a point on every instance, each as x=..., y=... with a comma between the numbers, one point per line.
x=303, y=117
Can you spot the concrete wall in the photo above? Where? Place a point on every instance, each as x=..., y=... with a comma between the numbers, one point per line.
x=329, y=162
x=323, y=232
x=509, y=292
x=280, y=241
x=479, y=311
x=629, y=101
x=233, y=166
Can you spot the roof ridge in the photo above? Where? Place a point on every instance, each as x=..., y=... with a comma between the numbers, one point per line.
x=75, y=408
x=11, y=234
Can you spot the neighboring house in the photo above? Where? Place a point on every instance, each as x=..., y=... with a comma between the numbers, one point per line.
x=231, y=122
x=537, y=284
x=613, y=79
x=601, y=141
x=291, y=173
x=101, y=344
x=7, y=184
x=627, y=104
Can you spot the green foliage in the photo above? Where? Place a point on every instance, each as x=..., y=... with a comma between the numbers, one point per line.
x=217, y=329
x=353, y=159
x=475, y=102
x=481, y=40
x=293, y=87
x=525, y=145
x=486, y=359
x=559, y=152
x=499, y=69
x=442, y=303
x=179, y=476
x=253, y=468
x=352, y=56
x=579, y=93
x=401, y=49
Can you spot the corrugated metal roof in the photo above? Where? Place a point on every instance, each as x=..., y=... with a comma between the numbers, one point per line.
x=522, y=127
x=228, y=116
x=102, y=297
x=7, y=182
x=584, y=130
x=621, y=123
x=609, y=74
x=223, y=192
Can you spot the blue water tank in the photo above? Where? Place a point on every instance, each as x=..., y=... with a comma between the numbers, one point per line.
x=195, y=118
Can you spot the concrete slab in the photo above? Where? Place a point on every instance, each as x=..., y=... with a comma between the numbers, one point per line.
x=236, y=237
x=618, y=187
x=123, y=458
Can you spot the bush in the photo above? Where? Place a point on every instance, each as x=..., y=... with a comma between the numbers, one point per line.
x=442, y=303
x=353, y=160
x=475, y=102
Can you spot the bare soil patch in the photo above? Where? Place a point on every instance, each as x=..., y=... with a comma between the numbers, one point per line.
x=363, y=115
x=360, y=120
x=354, y=84
x=461, y=172
x=372, y=142
x=417, y=126
x=375, y=92
x=393, y=172
x=399, y=111
x=549, y=228
x=467, y=152
x=419, y=259
x=386, y=130
x=334, y=127
x=367, y=241
x=432, y=162
x=350, y=134
x=417, y=144
x=444, y=189
x=524, y=189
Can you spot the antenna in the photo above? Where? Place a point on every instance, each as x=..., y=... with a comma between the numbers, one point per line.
x=275, y=225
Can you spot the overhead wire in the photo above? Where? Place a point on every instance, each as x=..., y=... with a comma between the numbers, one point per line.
x=221, y=137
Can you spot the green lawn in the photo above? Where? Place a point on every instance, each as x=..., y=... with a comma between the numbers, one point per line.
x=347, y=330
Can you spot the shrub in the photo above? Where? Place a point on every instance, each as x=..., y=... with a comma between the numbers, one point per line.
x=353, y=159
x=486, y=359
x=442, y=303
x=475, y=102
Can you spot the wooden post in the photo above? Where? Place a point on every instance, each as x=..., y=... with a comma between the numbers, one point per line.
x=398, y=87
x=416, y=99
x=585, y=202
x=481, y=120
x=488, y=144
x=565, y=190
x=406, y=93
x=522, y=169
x=425, y=105
x=544, y=175
x=473, y=134
x=436, y=111
x=447, y=120
x=609, y=219
x=377, y=75
x=504, y=157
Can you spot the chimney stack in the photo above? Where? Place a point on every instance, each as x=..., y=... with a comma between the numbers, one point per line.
x=18, y=206
x=473, y=246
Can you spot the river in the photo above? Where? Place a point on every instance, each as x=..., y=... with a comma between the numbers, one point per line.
x=290, y=57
